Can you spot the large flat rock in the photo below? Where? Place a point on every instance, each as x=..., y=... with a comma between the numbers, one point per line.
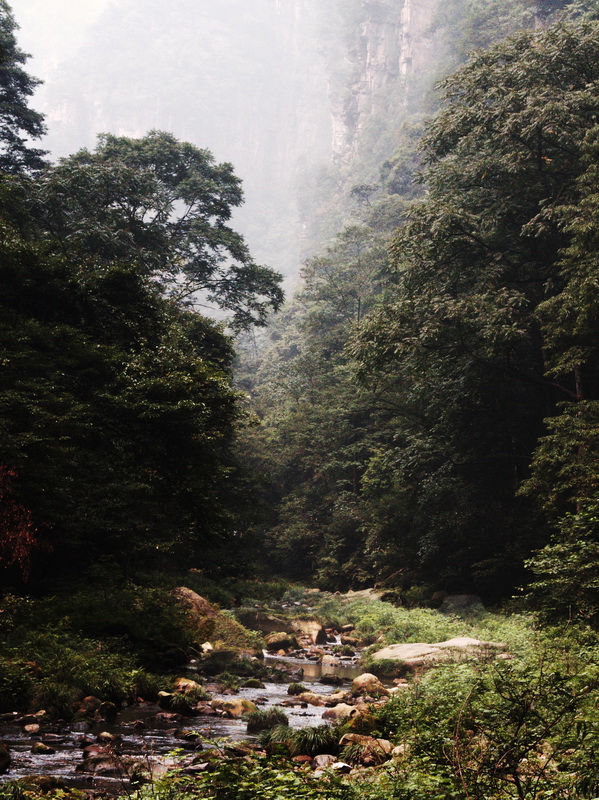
x=420, y=655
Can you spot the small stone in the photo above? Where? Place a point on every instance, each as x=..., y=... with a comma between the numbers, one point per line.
x=41, y=749
x=106, y=738
x=302, y=759
x=323, y=761
x=31, y=729
x=400, y=751
x=235, y=709
x=341, y=767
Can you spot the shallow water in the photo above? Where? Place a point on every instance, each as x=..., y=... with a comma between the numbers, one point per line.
x=152, y=744
x=347, y=668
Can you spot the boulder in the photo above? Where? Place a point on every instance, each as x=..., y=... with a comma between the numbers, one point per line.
x=330, y=661
x=280, y=640
x=368, y=684
x=310, y=629
x=313, y=699
x=185, y=686
x=5, y=758
x=32, y=729
x=339, y=712
x=336, y=697
x=198, y=609
x=41, y=749
x=323, y=761
x=108, y=711
x=302, y=759
x=236, y=708
x=258, y=620
x=419, y=656
x=90, y=705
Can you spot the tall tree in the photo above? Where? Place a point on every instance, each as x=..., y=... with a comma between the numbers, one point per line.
x=459, y=339
x=18, y=122
x=164, y=204
x=116, y=412
x=565, y=476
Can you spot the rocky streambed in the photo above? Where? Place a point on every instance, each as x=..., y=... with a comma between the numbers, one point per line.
x=99, y=754
x=110, y=748
x=114, y=745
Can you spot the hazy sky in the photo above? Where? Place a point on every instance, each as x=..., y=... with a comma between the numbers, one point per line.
x=53, y=29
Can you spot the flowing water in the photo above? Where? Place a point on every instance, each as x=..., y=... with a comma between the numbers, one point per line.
x=157, y=738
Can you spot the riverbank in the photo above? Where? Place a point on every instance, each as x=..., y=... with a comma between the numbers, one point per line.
x=515, y=720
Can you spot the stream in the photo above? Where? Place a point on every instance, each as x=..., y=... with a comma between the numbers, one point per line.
x=146, y=733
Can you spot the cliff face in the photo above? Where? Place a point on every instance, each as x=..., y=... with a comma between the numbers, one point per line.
x=392, y=52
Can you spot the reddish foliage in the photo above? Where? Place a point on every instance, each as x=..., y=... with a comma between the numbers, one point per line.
x=18, y=536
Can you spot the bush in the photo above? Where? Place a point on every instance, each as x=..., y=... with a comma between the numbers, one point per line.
x=16, y=680
x=52, y=669
x=266, y=719
x=228, y=681
x=58, y=699
x=309, y=741
x=385, y=667
x=482, y=730
x=296, y=688
x=248, y=780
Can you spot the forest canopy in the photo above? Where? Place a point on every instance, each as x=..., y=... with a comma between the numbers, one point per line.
x=414, y=395
x=117, y=413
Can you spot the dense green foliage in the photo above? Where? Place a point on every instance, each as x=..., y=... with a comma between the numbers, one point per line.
x=460, y=335
x=107, y=644
x=523, y=727
x=163, y=204
x=18, y=122
x=413, y=394
x=109, y=392
x=116, y=410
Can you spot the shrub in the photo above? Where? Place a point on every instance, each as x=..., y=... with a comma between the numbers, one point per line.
x=58, y=699
x=228, y=681
x=314, y=741
x=16, y=680
x=266, y=719
x=296, y=688
x=385, y=667
x=248, y=780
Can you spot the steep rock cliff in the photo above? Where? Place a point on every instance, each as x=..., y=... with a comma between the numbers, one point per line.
x=392, y=55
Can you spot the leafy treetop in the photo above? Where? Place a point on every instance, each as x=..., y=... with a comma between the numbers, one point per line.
x=164, y=204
